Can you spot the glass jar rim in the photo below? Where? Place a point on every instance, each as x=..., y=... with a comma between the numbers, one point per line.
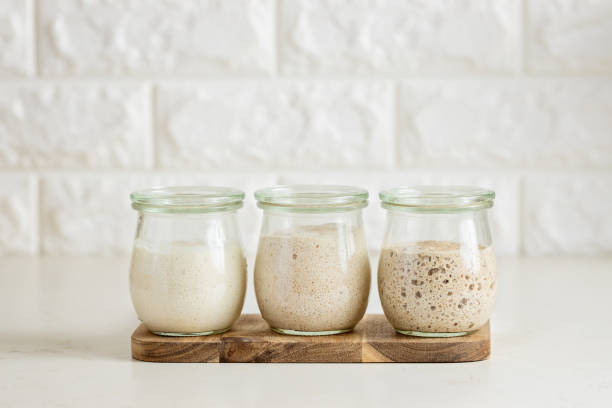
x=437, y=198
x=312, y=198
x=187, y=199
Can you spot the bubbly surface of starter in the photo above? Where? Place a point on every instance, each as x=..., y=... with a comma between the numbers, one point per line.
x=437, y=287
x=313, y=279
x=188, y=288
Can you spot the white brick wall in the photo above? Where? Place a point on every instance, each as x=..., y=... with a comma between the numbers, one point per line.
x=19, y=218
x=73, y=126
x=569, y=213
x=98, y=98
x=400, y=37
x=274, y=125
x=133, y=37
x=569, y=36
x=506, y=123
x=15, y=37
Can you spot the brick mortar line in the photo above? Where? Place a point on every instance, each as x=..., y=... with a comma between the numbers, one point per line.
x=523, y=23
x=521, y=216
x=33, y=46
x=36, y=231
x=494, y=172
x=151, y=147
x=179, y=80
x=276, y=36
x=396, y=161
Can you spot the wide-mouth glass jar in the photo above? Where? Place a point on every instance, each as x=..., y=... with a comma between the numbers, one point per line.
x=312, y=272
x=437, y=273
x=188, y=271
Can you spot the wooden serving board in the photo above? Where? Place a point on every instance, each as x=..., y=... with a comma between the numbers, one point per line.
x=251, y=341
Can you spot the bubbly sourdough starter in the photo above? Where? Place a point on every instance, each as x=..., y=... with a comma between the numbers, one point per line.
x=187, y=288
x=437, y=287
x=313, y=279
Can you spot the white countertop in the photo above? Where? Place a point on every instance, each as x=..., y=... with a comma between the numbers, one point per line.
x=66, y=325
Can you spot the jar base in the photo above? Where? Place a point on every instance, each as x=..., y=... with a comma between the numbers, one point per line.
x=431, y=334
x=309, y=333
x=204, y=333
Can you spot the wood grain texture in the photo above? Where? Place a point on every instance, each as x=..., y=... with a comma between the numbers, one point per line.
x=252, y=341
x=382, y=342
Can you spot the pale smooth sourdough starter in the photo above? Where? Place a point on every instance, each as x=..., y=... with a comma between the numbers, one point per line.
x=313, y=279
x=187, y=288
x=436, y=286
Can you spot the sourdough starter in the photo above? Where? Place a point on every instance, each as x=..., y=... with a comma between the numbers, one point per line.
x=437, y=287
x=187, y=288
x=313, y=279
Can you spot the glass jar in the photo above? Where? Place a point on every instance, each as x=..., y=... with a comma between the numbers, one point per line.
x=437, y=270
x=312, y=272
x=188, y=271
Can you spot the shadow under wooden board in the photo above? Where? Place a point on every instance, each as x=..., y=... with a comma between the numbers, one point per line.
x=252, y=341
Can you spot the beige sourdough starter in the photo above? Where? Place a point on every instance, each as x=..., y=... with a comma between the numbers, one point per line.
x=437, y=287
x=313, y=279
x=187, y=288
